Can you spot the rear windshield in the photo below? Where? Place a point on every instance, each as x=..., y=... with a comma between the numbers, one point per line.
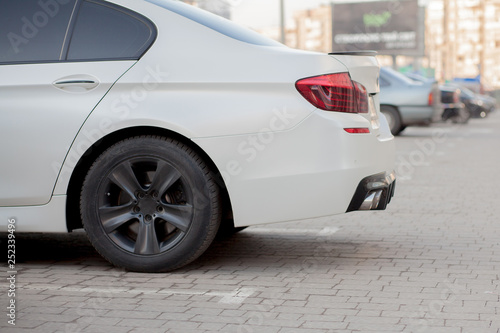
x=216, y=23
x=398, y=76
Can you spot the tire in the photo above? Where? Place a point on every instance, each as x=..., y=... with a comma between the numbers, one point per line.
x=393, y=118
x=463, y=116
x=150, y=204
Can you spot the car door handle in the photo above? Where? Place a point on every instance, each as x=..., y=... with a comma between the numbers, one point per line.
x=71, y=82
x=77, y=83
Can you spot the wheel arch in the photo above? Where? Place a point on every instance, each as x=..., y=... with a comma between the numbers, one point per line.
x=73, y=218
x=391, y=106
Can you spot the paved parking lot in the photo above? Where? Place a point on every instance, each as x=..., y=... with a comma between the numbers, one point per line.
x=430, y=263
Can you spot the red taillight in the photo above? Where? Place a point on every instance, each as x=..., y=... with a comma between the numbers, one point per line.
x=431, y=98
x=361, y=97
x=357, y=130
x=334, y=92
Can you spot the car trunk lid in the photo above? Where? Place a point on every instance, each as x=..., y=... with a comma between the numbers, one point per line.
x=363, y=68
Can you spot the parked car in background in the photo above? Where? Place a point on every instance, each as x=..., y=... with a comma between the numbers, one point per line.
x=453, y=108
x=150, y=122
x=419, y=78
x=406, y=102
x=490, y=103
x=478, y=106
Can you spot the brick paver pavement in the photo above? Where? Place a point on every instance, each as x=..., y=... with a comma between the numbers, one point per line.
x=430, y=263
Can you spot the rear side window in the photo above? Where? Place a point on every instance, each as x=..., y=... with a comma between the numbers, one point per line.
x=395, y=75
x=107, y=32
x=384, y=82
x=33, y=30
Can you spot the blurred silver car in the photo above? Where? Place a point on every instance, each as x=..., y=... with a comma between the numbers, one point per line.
x=406, y=102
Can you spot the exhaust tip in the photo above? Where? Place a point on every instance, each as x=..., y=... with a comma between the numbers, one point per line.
x=371, y=201
x=373, y=193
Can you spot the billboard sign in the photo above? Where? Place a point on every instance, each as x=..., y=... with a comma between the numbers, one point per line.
x=388, y=27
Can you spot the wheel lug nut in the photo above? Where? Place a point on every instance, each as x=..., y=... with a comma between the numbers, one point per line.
x=148, y=218
x=137, y=209
x=141, y=196
x=159, y=209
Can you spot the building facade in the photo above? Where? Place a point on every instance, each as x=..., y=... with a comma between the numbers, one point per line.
x=463, y=39
x=313, y=29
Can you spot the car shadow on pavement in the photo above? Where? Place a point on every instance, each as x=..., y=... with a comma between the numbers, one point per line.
x=248, y=250
x=33, y=248
x=258, y=251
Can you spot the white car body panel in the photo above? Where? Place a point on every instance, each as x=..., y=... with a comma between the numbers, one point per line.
x=36, y=114
x=282, y=159
x=297, y=174
x=44, y=218
x=363, y=70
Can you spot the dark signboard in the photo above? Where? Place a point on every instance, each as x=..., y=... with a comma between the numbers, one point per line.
x=389, y=27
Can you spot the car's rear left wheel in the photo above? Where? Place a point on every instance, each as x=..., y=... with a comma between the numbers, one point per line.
x=150, y=204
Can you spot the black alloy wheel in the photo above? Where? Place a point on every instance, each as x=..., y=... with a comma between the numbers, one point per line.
x=150, y=204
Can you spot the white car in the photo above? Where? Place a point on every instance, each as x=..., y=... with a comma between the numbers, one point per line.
x=150, y=122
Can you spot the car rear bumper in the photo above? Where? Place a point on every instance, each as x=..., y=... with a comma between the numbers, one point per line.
x=311, y=171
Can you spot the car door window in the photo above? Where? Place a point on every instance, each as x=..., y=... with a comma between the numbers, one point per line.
x=108, y=32
x=33, y=30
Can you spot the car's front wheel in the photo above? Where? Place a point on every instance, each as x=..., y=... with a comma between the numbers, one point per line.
x=150, y=204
